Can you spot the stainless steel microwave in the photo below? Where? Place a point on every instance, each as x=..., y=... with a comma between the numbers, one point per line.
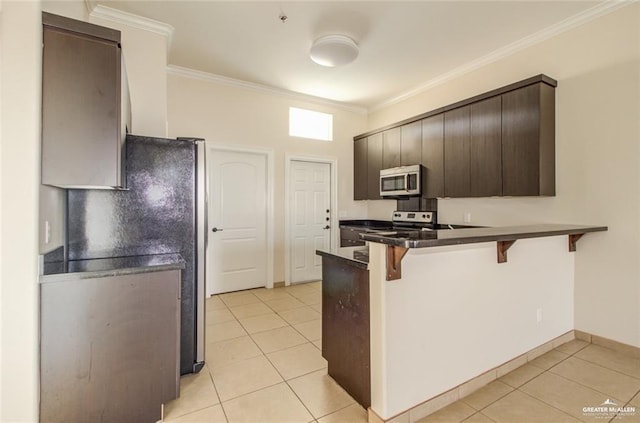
x=403, y=181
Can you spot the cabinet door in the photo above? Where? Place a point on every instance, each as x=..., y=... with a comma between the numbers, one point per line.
x=433, y=156
x=350, y=237
x=374, y=165
x=528, y=141
x=457, y=137
x=346, y=327
x=411, y=144
x=360, y=169
x=102, y=340
x=486, y=148
x=81, y=143
x=391, y=148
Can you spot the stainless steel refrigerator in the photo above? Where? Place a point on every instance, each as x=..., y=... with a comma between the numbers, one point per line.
x=163, y=210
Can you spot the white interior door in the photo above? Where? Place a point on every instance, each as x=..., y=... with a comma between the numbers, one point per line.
x=309, y=213
x=237, y=221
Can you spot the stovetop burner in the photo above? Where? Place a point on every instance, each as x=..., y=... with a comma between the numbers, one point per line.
x=404, y=221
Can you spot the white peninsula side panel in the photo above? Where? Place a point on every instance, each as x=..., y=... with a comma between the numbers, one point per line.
x=456, y=313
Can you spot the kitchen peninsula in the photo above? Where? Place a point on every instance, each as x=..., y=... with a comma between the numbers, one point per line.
x=441, y=313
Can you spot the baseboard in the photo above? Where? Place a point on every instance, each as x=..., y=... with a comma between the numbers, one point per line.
x=608, y=343
x=467, y=388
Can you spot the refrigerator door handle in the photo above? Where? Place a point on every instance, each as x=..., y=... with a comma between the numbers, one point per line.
x=201, y=248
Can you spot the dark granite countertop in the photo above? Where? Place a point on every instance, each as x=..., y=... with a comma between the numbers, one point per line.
x=353, y=256
x=96, y=268
x=366, y=223
x=423, y=239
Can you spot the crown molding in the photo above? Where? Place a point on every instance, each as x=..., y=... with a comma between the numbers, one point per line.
x=252, y=86
x=572, y=22
x=126, y=18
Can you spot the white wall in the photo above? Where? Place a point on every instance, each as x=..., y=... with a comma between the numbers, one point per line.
x=145, y=56
x=20, y=178
x=597, y=66
x=229, y=115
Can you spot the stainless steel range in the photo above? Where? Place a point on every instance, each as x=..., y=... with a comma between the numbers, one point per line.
x=405, y=221
x=403, y=224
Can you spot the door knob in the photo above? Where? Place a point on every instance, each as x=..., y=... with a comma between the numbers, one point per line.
x=326, y=227
x=216, y=230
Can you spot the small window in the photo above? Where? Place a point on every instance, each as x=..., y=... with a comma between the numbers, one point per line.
x=309, y=124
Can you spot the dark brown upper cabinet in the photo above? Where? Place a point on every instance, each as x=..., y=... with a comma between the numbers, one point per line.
x=433, y=156
x=374, y=165
x=360, y=164
x=528, y=141
x=391, y=148
x=411, y=144
x=485, y=157
x=457, y=139
x=500, y=143
x=82, y=105
x=472, y=147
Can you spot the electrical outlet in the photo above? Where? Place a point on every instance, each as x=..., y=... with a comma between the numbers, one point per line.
x=466, y=217
x=539, y=315
x=47, y=232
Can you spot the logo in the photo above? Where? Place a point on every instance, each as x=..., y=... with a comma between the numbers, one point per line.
x=608, y=410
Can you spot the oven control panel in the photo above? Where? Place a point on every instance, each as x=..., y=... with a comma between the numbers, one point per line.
x=412, y=217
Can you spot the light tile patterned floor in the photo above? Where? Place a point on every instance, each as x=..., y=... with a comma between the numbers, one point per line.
x=264, y=365
x=556, y=387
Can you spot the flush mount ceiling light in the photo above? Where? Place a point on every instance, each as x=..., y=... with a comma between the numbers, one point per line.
x=333, y=50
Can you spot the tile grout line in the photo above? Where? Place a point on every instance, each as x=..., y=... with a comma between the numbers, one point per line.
x=234, y=318
x=544, y=402
x=570, y=380
x=313, y=417
x=628, y=403
x=274, y=366
x=584, y=386
x=254, y=391
x=224, y=412
x=522, y=384
x=300, y=399
x=546, y=370
x=493, y=402
x=480, y=412
x=607, y=368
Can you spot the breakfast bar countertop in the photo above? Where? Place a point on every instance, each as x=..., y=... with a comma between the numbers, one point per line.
x=437, y=238
x=353, y=256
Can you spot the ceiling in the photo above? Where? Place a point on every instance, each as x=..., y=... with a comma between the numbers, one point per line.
x=403, y=45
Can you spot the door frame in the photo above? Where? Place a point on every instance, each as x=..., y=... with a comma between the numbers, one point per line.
x=333, y=205
x=268, y=154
